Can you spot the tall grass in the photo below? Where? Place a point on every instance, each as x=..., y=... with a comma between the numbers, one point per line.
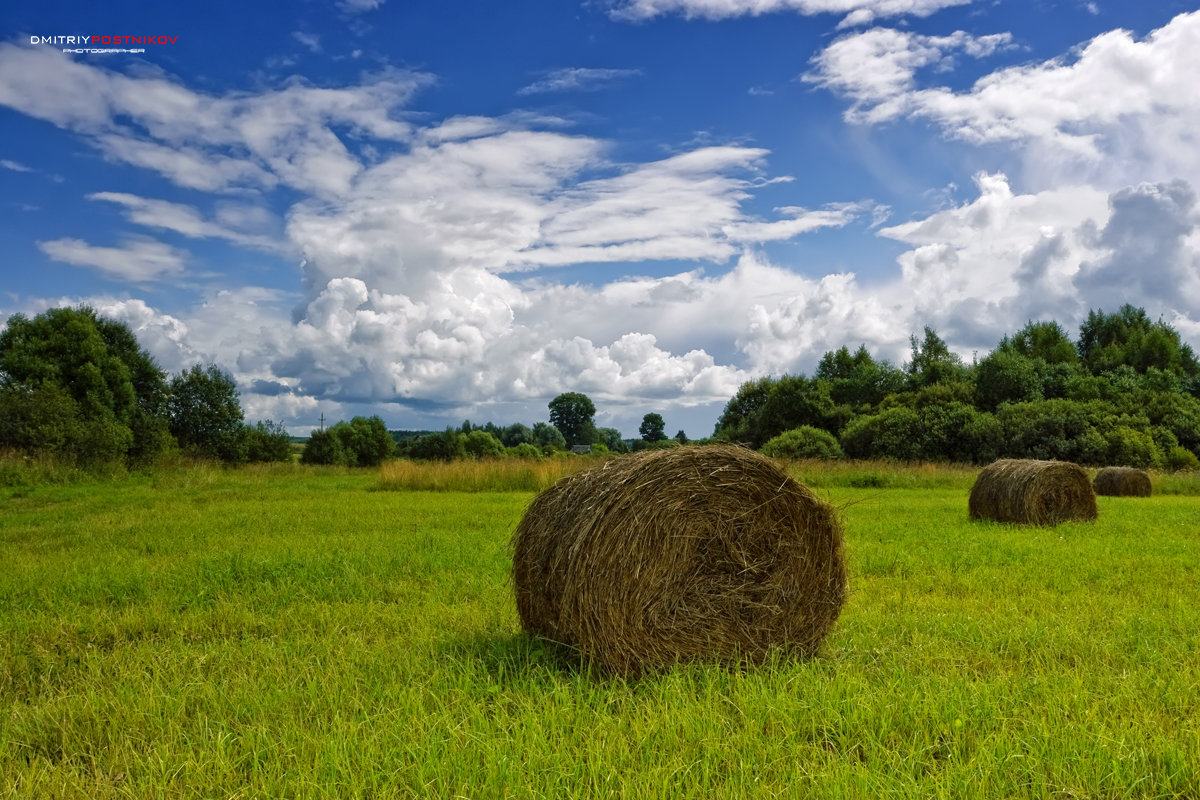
x=519, y=475
x=490, y=475
x=882, y=474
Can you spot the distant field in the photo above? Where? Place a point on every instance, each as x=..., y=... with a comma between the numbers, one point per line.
x=292, y=632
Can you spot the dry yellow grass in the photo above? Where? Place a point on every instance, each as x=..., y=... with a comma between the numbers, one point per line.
x=495, y=475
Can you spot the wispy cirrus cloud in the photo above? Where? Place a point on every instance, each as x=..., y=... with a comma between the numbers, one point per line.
x=857, y=12
x=293, y=135
x=309, y=40
x=577, y=79
x=187, y=220
x=137, y=260
x=359, y=6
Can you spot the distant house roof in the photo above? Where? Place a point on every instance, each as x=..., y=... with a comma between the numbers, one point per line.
x=581, y=449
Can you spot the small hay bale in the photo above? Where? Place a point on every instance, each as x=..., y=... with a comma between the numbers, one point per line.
x=694, y=553
x=1122, y=482
x=1031, y=492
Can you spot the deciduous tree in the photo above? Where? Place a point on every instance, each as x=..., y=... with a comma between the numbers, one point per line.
x=572, y=413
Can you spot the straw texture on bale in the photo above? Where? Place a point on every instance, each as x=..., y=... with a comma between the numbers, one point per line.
x=1032, y=492
x=694, y=553
x=1122, y=482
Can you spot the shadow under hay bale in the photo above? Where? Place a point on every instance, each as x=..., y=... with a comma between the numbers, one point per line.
x=694, y=553
x=1122, y=482
x=1032, y=492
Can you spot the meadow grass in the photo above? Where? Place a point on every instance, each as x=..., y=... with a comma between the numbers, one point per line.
x=485, y=475
x=294, y=632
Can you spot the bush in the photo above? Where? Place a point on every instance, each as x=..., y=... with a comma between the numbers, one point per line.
x=888, y=434
x=446, y=446
x=804, y=442
x=524, y=450
x=325, y=447
x=935, y=431
x=366, y=441
x=1179, y=459
x=1052, y=430
x=481, y=444
x=1131, y=448
x=268, y=441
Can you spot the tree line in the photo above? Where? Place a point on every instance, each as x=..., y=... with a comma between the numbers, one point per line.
x=79, y=388
x=571, y=423
x=1126, y=391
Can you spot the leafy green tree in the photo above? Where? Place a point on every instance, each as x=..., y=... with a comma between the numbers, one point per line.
x=1128, y=337
x=766, y=407
x=739, y=421
x=611, y=439
x=681, y=437
x=268, y=441
x=325, y=447
x=572, y=414
x=1005, y=376
x=39, y=419
x=1042, y=340
x=205, y=414
x=516, y=434
x=653, y=428
x=548, y=437
x=932, y=362
x=858, y=380
x=110, y=395
x=148, y=418
x=46, y=420
x=795, y=401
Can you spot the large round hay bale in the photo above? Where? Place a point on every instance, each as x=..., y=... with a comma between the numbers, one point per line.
x=694, y=553
x=1031, y=492
x=1122, y=482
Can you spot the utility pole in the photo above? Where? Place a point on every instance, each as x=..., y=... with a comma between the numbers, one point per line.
x=322, y=421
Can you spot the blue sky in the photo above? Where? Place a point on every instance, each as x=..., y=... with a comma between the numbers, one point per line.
x=442, y=211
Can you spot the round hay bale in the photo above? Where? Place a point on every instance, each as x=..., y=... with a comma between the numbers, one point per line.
x=1122, y=482
x=693, y=553
x=1031, y=492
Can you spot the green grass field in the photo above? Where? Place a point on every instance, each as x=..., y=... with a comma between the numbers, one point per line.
x=288, y=632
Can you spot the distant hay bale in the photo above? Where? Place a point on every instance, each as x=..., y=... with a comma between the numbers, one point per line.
x=693, y=553
x=1122, y=482
x=1032, y=492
